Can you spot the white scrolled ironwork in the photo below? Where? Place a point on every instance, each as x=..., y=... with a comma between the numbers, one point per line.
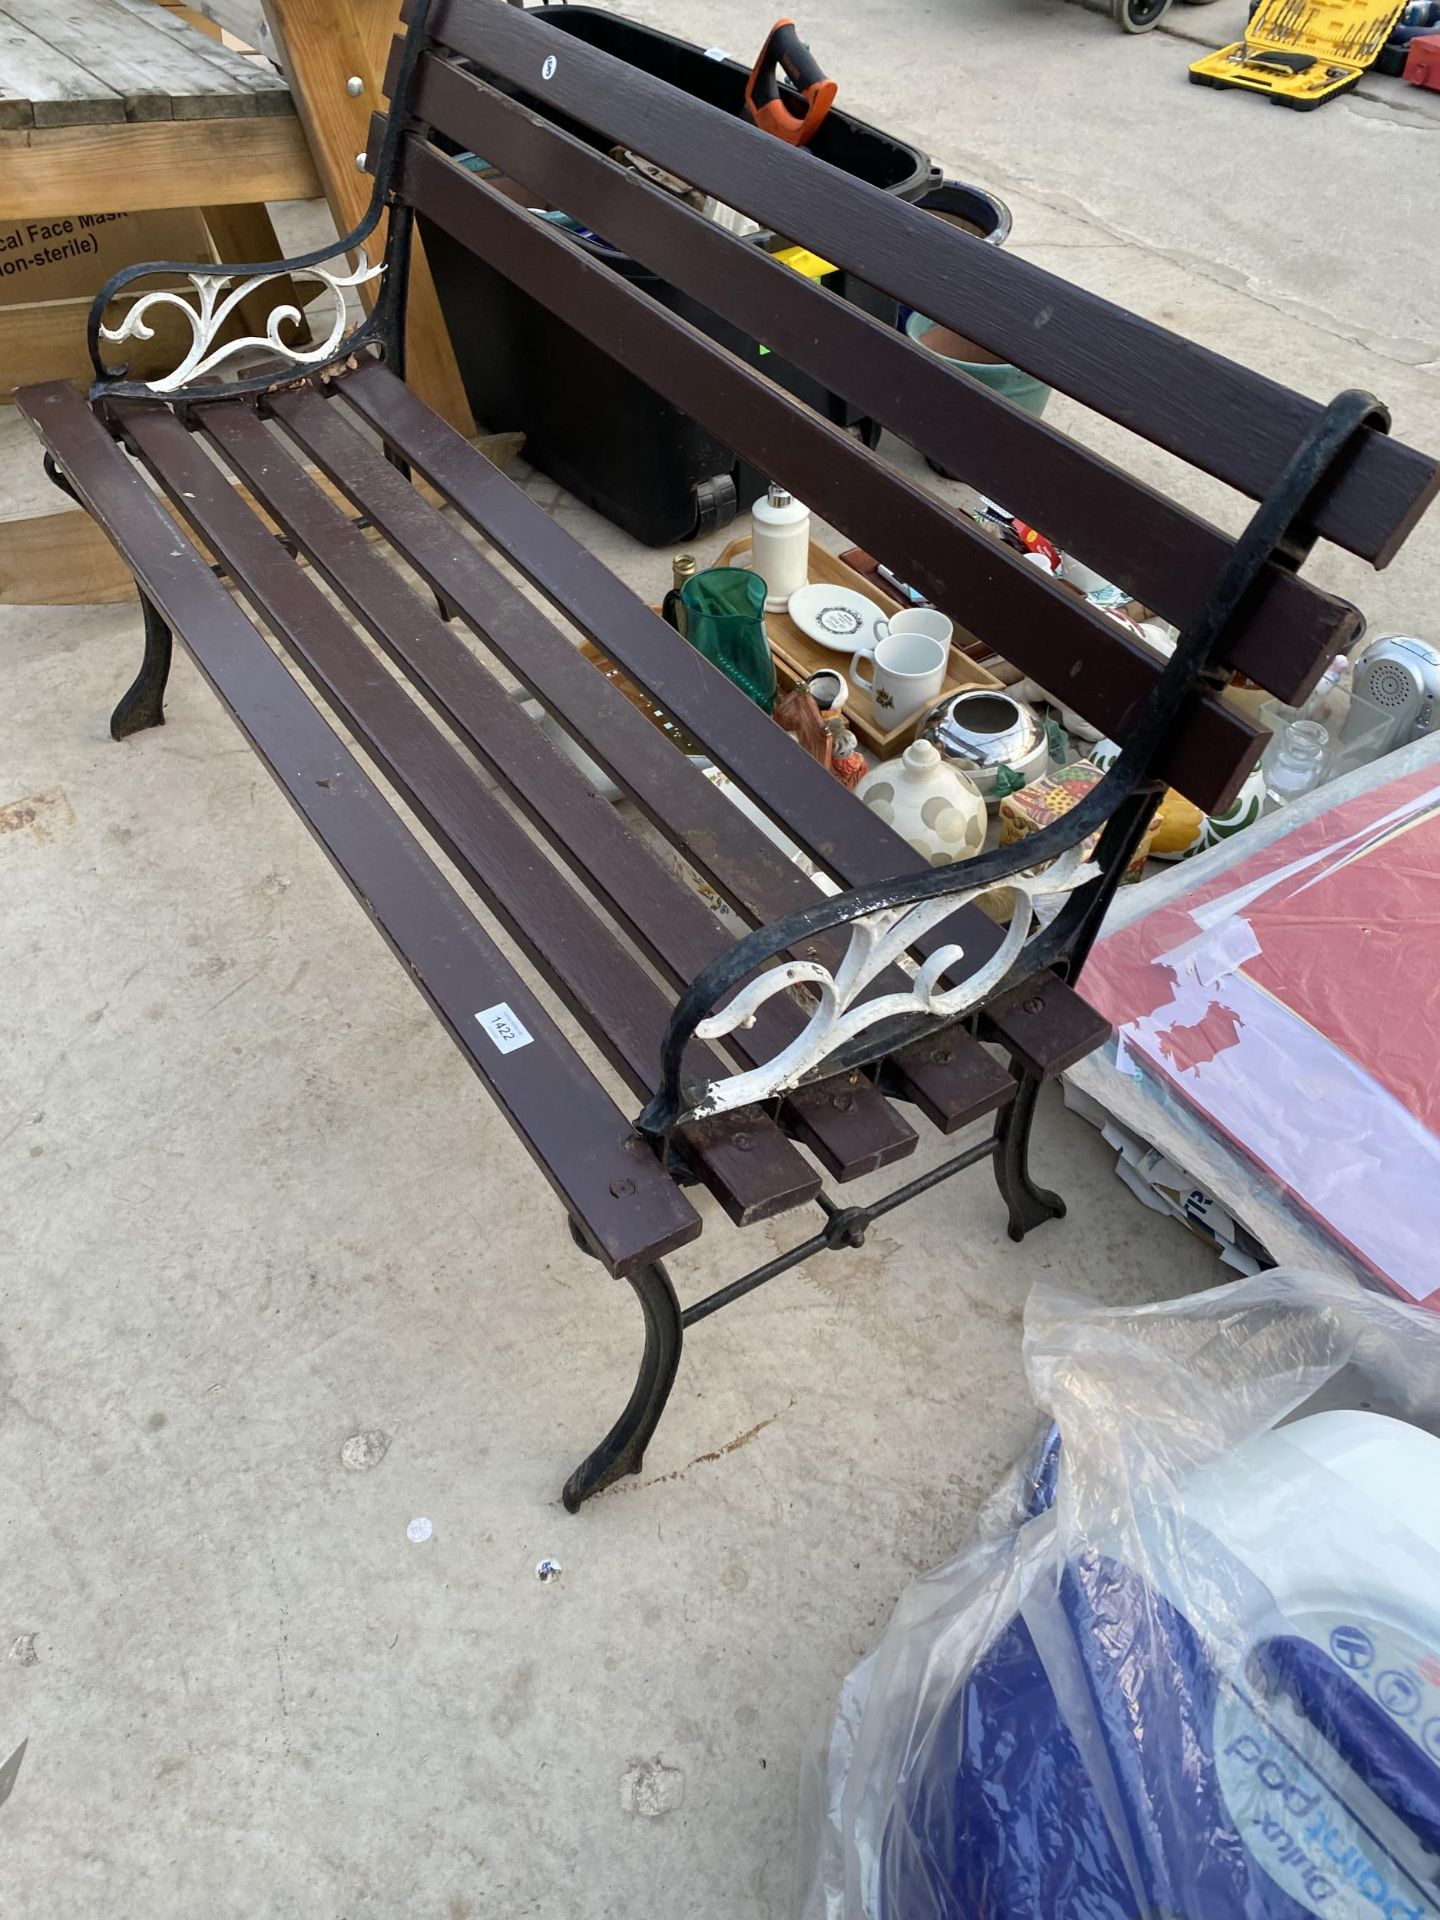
x=212, y=307
x=877, y=941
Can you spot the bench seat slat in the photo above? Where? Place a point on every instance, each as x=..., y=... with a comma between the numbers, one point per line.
x=1044, y=1026
x=946, y=1089
x=1075, y=651
x=740, y=861
x=1221, y=417
x=1163, y=555
x=623, y=1201
x=675, y=929
x=746, y=1162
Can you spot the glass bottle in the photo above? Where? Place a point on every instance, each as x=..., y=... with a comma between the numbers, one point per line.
x=1298, y=766
x=683, y=570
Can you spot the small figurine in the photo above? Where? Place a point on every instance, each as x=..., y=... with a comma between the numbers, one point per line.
x=848, y=765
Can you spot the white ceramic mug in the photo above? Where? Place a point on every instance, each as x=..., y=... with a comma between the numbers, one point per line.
x=905, y=664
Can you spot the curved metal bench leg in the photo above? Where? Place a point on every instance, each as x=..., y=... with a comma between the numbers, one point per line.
x=1030, y=1206
x=143, y=702
x=622, y=1450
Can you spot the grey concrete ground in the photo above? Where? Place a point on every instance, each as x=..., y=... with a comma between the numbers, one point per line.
x=254, y=1206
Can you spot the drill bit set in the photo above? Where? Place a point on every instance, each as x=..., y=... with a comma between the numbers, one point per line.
x=1301, y=53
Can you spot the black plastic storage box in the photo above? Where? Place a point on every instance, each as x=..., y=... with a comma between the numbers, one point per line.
x=591, y=424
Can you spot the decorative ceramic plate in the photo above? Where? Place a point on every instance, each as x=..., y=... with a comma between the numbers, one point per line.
x=838, y=617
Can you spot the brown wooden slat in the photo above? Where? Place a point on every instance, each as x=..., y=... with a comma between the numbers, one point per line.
x=746, y=1162
x=1045, y=1026
x=1217, y=415
x=848, y=1123
x=627, y=1207
x=1159, y=552
x=741, y=862
x=983, y=1083
x=1076, y=652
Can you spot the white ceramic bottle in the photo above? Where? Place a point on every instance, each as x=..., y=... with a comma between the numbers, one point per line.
x=932, y=804
x=780, y=546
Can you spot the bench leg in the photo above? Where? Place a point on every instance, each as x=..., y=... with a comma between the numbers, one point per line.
x=622, y=1450
x=1030, y=1206
x=143, y=702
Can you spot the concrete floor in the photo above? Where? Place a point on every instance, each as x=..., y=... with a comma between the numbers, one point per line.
x=255, y=1206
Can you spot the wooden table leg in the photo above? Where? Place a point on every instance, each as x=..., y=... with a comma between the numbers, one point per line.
x=327, y=44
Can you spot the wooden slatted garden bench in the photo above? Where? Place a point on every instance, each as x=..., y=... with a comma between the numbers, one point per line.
x=898, y=1003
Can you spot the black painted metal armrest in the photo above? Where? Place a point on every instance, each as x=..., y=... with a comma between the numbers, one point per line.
x=217, y=289
x=887, y=921
x=845, y=1029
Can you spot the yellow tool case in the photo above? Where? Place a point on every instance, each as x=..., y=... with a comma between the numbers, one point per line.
x=1301, y=53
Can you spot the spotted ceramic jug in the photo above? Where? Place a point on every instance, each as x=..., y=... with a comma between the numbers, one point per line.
x=929, y=803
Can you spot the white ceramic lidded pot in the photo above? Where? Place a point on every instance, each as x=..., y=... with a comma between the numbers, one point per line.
x=929, y=803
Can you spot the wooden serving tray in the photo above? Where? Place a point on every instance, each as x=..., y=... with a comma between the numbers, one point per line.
x=797, y=656
x=656, y=715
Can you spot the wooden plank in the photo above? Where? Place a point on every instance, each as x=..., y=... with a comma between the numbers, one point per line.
x=256, y=78
x=1219, y=416
x=45, y=340
x=753, y=1172
x=160, y=163
x=156, y=79
x=675, y=930
x=1161, y=554
x=1067, y=645
x=60, y=560
x=627, y=1207
x=324, y=46
x=246, y=235
x=741, y=862
x=40, y=86
x=244, y=19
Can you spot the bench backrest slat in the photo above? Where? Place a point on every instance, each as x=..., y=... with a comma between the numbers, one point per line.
x=1163, y=555
x=1045, y=630
x=1219, y=416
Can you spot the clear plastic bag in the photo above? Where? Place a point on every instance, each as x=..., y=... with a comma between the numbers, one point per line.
x=1188, y=1667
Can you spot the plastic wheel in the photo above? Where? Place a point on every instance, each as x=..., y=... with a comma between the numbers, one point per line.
x=715, y=504
x=1139, y=16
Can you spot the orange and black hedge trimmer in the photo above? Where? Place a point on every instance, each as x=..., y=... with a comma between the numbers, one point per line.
x=767, y=105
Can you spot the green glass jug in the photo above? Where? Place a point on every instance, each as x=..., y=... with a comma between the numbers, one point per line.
x=721, y=612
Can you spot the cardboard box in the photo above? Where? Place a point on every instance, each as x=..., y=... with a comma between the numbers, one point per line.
x=72, y=258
